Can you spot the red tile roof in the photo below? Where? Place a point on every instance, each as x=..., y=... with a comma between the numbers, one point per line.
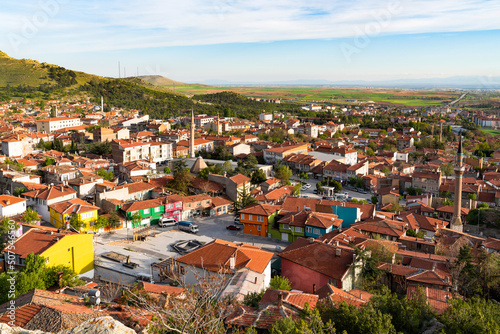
x=331, y=263
x=216, y=256
x=261, y=209
x=37, y=241
x=22, y=315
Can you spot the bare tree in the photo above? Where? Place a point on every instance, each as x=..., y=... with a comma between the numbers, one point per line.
x=200, y=309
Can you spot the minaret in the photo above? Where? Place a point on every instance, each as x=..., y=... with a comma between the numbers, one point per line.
x=102, y=104
x=191, y=142
x=218, y=124
x=441, y=132
x=456, y=221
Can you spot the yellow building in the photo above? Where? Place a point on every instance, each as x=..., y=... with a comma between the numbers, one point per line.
x=75, y=250
x=60, y=214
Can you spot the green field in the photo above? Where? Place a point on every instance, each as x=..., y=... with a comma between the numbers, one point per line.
x=333, y=95
x=491, y=131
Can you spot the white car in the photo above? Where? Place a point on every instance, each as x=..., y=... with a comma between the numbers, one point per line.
x=307, y=186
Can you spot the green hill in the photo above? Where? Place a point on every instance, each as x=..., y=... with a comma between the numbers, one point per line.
x=27, y=72
x=158, y=80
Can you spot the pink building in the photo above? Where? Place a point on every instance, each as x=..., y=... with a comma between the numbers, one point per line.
x=173, y=207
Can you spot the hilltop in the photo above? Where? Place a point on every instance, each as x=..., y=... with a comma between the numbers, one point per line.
x=159, y=80
x=28, y=72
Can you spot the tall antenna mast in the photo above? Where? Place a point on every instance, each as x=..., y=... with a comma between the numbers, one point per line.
x=119, y=69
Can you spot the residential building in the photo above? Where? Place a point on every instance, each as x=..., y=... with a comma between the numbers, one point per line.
x=12, y=205
x=129, y=150
x=50, y=125
x=57, y=247
x=103, y=134
x=233, y=185
x=309, y=264
x=301, y=162
x=199, y=144
x=226, y=258
x=427, y=181
x=196, y=205
x=271, y=155
x=40, y=199
x=305, y=223
x=150, y=211
x=61, y=214
x=258, y=218
x=17, y=145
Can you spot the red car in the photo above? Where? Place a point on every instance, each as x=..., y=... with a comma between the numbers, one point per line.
x=233, y=227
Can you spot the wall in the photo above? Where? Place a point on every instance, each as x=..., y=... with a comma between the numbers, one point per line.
x=13, y=209
x=302, y=278
x=119, y=194
x=76, y=251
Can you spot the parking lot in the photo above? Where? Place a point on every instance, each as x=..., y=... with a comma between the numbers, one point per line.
x=209, y=228
x=310, y=192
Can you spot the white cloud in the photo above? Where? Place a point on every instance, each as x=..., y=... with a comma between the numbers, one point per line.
x=113, y=25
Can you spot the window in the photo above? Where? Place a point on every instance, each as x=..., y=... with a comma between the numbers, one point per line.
x=332, y=282
x=286, y=227
x=86, y=215
x=260, y=218
x=157, y=209
x=316, y=231
x=258, y=228
x=170, y=206
x=298, y=229
x=249, y=217
x=308, y=229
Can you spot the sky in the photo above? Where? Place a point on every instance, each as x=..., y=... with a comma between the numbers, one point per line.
x=258, y=41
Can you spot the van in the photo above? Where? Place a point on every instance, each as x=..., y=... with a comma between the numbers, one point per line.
x=164, y=222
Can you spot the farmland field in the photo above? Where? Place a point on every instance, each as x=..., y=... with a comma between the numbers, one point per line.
x=333, y=95
x=491, y=131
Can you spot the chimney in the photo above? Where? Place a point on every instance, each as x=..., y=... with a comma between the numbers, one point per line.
x=314, y=288
x=338, y=252
x=336, y=243
x=280, y=299
x=232, y=263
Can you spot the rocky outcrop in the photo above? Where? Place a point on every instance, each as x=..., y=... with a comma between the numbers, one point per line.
x=101, y=325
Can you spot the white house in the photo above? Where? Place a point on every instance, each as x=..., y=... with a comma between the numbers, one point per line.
x=11, y=205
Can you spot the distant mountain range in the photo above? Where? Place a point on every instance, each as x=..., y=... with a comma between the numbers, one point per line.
x=456, y=82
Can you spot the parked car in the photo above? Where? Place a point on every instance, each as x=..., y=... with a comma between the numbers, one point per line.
x=315, y=191
x=237, y=220
x=233, y=227
x=307, y=185
x=164, y=222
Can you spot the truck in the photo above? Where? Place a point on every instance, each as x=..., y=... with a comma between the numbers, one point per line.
x=187, y=226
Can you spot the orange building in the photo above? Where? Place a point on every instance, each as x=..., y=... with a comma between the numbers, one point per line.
x=257, y=218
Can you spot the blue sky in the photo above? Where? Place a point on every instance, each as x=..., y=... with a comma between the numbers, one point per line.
x=198, y=40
